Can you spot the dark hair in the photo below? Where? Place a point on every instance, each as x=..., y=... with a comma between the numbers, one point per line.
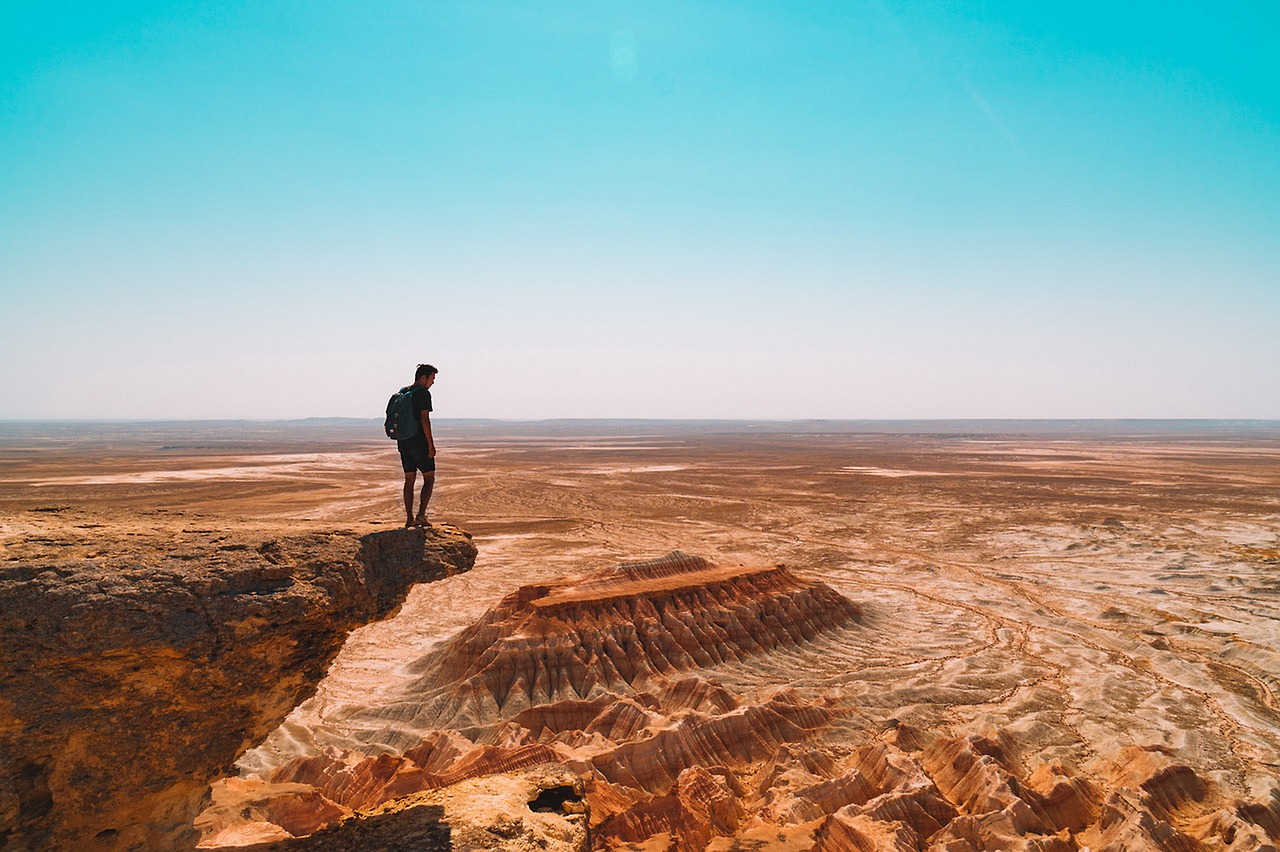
x=424, y=370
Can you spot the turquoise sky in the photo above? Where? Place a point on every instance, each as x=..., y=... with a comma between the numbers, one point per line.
x=598, y=209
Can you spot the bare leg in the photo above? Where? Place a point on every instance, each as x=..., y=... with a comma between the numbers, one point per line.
x=428, y=481
x=409, y=479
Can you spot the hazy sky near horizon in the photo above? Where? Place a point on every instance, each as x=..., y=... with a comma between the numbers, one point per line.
x=607, y=209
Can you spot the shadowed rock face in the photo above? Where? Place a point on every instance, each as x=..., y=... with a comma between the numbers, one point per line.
x=132, y=678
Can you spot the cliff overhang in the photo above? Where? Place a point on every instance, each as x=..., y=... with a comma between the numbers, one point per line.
x=135, y=675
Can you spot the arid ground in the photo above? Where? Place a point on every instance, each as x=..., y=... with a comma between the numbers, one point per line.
x=1077, y=589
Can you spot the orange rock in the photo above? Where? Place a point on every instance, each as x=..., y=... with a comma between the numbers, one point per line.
x=623, y=631
x=135, y=679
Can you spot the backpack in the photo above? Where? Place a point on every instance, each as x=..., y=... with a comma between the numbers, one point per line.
x=400, y=424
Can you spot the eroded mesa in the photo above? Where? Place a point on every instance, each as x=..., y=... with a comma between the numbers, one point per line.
x=619, y=677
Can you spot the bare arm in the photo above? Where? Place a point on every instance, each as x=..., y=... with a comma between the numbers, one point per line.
x=426, y=431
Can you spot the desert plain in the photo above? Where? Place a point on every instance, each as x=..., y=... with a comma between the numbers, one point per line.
x=1065, y=635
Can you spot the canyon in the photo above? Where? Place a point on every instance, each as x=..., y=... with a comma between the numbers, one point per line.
x=684, y=636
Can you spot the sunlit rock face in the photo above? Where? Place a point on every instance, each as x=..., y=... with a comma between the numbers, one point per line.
x=602, y=675
x=135, y=676
x=631, y=680
x=617, y=632
x=515, y=811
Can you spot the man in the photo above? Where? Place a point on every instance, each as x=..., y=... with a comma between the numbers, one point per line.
x=419, y=452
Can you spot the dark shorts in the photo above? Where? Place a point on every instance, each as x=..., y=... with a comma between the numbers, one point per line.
x=414, y=455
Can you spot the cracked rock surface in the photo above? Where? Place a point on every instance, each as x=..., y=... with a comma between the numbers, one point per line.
x=140, y=659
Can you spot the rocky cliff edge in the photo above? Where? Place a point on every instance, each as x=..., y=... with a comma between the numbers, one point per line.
x=135, y=667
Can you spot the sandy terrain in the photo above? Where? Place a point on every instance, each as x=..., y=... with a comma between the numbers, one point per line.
x=1079, y=588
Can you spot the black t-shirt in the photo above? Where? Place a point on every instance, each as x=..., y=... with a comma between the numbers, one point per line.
x=421, y=403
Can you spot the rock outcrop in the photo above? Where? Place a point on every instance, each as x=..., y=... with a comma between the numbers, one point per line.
x=598, y=675
x=619, y=680
x=517, y=811
x=135, y=676
x=618, y=631
x=910, y=789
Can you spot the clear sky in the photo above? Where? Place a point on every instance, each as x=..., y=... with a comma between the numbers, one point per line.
x=612, y=209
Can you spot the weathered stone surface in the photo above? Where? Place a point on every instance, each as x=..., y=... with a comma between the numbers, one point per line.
x=402, y=827
x=618, y=631
x=1078, y=598
x=245, y=812
x=541, y=808
x=616, y=678
x=133, y=678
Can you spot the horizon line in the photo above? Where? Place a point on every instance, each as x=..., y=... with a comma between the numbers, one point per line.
x=124, y=420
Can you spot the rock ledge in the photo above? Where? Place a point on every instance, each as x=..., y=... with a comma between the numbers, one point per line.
x=135, y=676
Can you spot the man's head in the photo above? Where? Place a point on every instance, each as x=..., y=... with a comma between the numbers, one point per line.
x=425, y=375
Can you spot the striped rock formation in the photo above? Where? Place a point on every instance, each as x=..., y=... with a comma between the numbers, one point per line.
x=618, y=632
x=619, y=678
